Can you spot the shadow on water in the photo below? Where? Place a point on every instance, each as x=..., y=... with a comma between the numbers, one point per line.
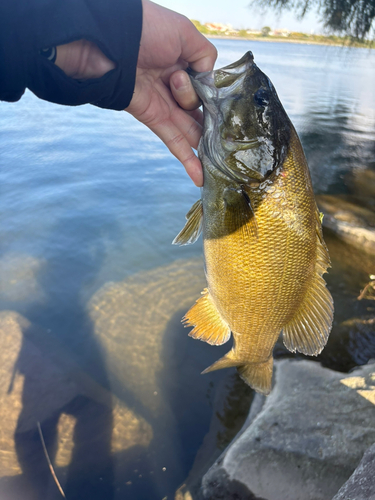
x=189, y=393
x=89, y=473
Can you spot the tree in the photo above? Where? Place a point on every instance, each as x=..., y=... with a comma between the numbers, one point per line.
x=266, y=31
x=200, y=27
x=354, y=18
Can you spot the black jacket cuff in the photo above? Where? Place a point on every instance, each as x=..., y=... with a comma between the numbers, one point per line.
x=114, y=25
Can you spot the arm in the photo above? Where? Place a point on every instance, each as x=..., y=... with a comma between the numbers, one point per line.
x=27, y=27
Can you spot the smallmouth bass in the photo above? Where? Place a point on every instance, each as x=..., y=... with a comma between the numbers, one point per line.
x=262, y=237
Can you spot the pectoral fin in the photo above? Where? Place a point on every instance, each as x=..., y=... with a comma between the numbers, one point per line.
x=308, y=330
x=239, y=212
x=193, y=227
x=208, y=324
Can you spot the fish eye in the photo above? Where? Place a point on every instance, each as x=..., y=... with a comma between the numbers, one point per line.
x=261, y=97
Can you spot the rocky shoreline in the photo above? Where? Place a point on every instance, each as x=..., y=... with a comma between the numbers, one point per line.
x=280, y=39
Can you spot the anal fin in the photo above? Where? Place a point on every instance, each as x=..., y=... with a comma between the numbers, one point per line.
x=193, y=227
x=208, y=324
x=256, y=375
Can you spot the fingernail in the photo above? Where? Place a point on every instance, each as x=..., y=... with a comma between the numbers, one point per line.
x=180, y=81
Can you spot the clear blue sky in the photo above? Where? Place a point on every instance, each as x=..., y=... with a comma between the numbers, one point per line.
x=240, y=15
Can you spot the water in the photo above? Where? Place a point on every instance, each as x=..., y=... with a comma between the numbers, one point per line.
x=90, y=202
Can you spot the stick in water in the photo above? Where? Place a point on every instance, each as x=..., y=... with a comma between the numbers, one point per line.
x=49, y=461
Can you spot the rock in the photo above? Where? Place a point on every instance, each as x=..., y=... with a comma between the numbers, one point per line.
x=19, y=280
x=131, y=319
x=306, y=439
x=153, y=365
x=352, y=223
x=361, y=485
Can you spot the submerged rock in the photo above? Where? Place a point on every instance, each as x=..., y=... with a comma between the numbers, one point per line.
x=352, y=223
x=361, y=485
x=153, y=364
x=19, y=280
x=303, y=441
x=131, y=321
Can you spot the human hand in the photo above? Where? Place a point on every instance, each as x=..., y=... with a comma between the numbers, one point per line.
x=164, y=98
x=169, y=44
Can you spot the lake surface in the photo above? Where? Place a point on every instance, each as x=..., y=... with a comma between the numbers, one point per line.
x=90, y=202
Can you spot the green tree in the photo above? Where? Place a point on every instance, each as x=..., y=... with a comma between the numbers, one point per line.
x=200, y=27
x=266, y=31
x=354, y=18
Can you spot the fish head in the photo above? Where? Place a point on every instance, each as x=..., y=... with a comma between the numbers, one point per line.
x=246, y=129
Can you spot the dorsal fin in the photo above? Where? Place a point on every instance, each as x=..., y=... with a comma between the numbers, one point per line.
x=193, y=227
x=308, y=330
x=209, y=325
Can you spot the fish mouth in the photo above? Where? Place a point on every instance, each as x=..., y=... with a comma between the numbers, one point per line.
x=207, y=83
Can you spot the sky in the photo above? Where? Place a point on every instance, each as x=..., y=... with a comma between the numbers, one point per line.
x=240, y=15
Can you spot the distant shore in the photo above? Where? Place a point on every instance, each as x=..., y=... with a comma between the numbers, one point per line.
x=287, y=40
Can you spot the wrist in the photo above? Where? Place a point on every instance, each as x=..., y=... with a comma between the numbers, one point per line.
x=82, y=60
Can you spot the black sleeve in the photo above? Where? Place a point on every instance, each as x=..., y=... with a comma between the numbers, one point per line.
x=29, y=26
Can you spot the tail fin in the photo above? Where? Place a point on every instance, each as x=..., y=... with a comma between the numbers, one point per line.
x=258, y=375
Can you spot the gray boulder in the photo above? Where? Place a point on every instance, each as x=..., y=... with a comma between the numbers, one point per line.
x=303, y=441
x=361, y=485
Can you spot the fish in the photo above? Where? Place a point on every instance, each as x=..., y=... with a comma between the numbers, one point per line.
x=262, y=237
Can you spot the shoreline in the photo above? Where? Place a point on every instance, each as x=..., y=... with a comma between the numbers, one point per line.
x=285, y=40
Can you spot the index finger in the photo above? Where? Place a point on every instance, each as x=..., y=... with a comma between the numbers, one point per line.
x=199, y=52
